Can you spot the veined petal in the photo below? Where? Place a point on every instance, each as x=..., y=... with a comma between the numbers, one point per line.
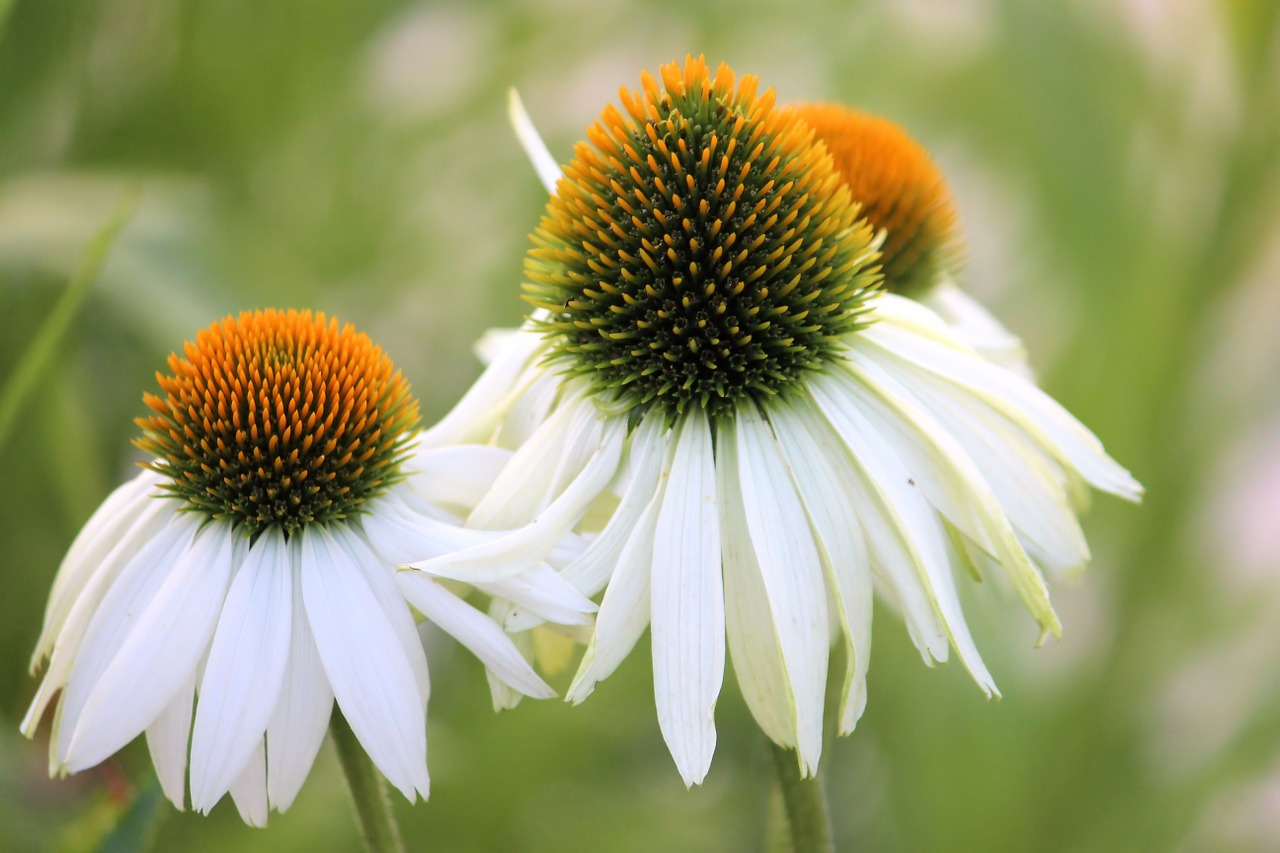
x=625, y=608
x=480, y=634
x=822, y=473
x=897, y=332
x=528, y=546
x=167, y=740
x=126, y=580
x=123, y=509
x=949, y=479
x=301, y=717
x=792, y=573
x=754, y=645
x=160, y=647
x=458, y=475
x=543, y=163
x=902, y=528
x=362, y=655
x=477, y=414
x=688, y=603
x=249, y=791
x=245, y=670
x=590, y=571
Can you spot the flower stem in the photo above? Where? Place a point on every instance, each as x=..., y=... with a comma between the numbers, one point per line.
x=806, y=804
x=368, y=790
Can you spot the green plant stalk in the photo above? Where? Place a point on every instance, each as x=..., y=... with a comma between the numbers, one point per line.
x=368, y=790
x=805, y=800
x=51, y=332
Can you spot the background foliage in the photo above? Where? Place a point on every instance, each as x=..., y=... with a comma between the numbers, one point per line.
x=1118, y=169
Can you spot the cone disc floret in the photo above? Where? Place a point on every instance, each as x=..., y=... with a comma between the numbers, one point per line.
x=279, y=418
x=700, y=249
x=900, y=189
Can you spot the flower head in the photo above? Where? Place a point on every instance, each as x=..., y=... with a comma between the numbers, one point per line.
x=752, y=490
x=253, y=566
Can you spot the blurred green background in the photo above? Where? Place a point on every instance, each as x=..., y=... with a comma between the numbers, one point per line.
x=1117, y=165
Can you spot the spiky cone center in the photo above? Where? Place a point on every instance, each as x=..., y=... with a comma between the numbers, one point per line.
x=900, y=189
x=700, y=249
x=279, y=418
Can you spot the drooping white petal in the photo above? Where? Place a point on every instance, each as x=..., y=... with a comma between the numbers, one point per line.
x=590, y=571
x=902, y=528
x=458, y=475
x=792, y=573
x=474, y=630
x=155, y=648
x=478, y=413
x=901, y=332
x=687, y=592
x=167, y=739
x=504, y=696
x=543, y=163
x=625, y=609
x=949, y=478
x=373, y=682
x=526, y=547
x=544, y=596
x=822, y=473
x=249, y=791
x=301, y=717
x=122, y=510
x=153, y=530
x=749, y=624
x=245, y=670
x=976, y=327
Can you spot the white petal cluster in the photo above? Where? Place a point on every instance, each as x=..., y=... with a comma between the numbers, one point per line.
x=231, y=655
x=908, y=463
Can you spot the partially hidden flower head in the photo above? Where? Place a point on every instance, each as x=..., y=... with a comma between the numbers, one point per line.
x=902, y=191
x=224, y=599
x=772, y=435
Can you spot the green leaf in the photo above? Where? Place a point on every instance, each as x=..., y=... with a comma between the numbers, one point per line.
x=136, y=831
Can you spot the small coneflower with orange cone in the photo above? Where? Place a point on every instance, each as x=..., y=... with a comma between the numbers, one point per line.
x=224, y=600
x=718, y=347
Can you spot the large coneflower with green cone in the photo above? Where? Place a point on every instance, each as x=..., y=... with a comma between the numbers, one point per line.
x=777, y=434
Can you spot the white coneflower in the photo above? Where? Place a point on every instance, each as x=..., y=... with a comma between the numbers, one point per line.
x=253, y=566
x=711, y=346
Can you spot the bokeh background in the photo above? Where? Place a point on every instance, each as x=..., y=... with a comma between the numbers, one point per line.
x=1117, y=165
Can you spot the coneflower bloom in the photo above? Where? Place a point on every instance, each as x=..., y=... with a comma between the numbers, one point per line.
x=252, y=565
x=711, y=358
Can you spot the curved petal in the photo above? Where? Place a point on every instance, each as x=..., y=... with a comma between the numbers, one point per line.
x=457, y=475
x=543, y=163
x=687, y=592
x=544, y=594
x=167, y=740
x=249, y=791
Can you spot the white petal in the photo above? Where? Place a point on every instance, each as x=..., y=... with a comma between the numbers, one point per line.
x=165, y=643
x=478, y=413
x=624, y=611
x=821, y=471
x=749, y=623
x=458, y=475
x=373, y=683
x=544, y=595
x=523, y=549
x=898, y=333
x=949, y=478
x=167, y=740
x=688, y=603
x=301, y=717
x=120, y=512
x=976, y=327
x=543, y=163
x=792, y=573
x=245, y=670
x=474, y=630
x=590, y=571
x=250, y=789
x=902, y=529
x=504, y=696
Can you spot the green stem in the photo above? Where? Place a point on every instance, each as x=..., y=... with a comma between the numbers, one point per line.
x=368, y=790
x=806, y=804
